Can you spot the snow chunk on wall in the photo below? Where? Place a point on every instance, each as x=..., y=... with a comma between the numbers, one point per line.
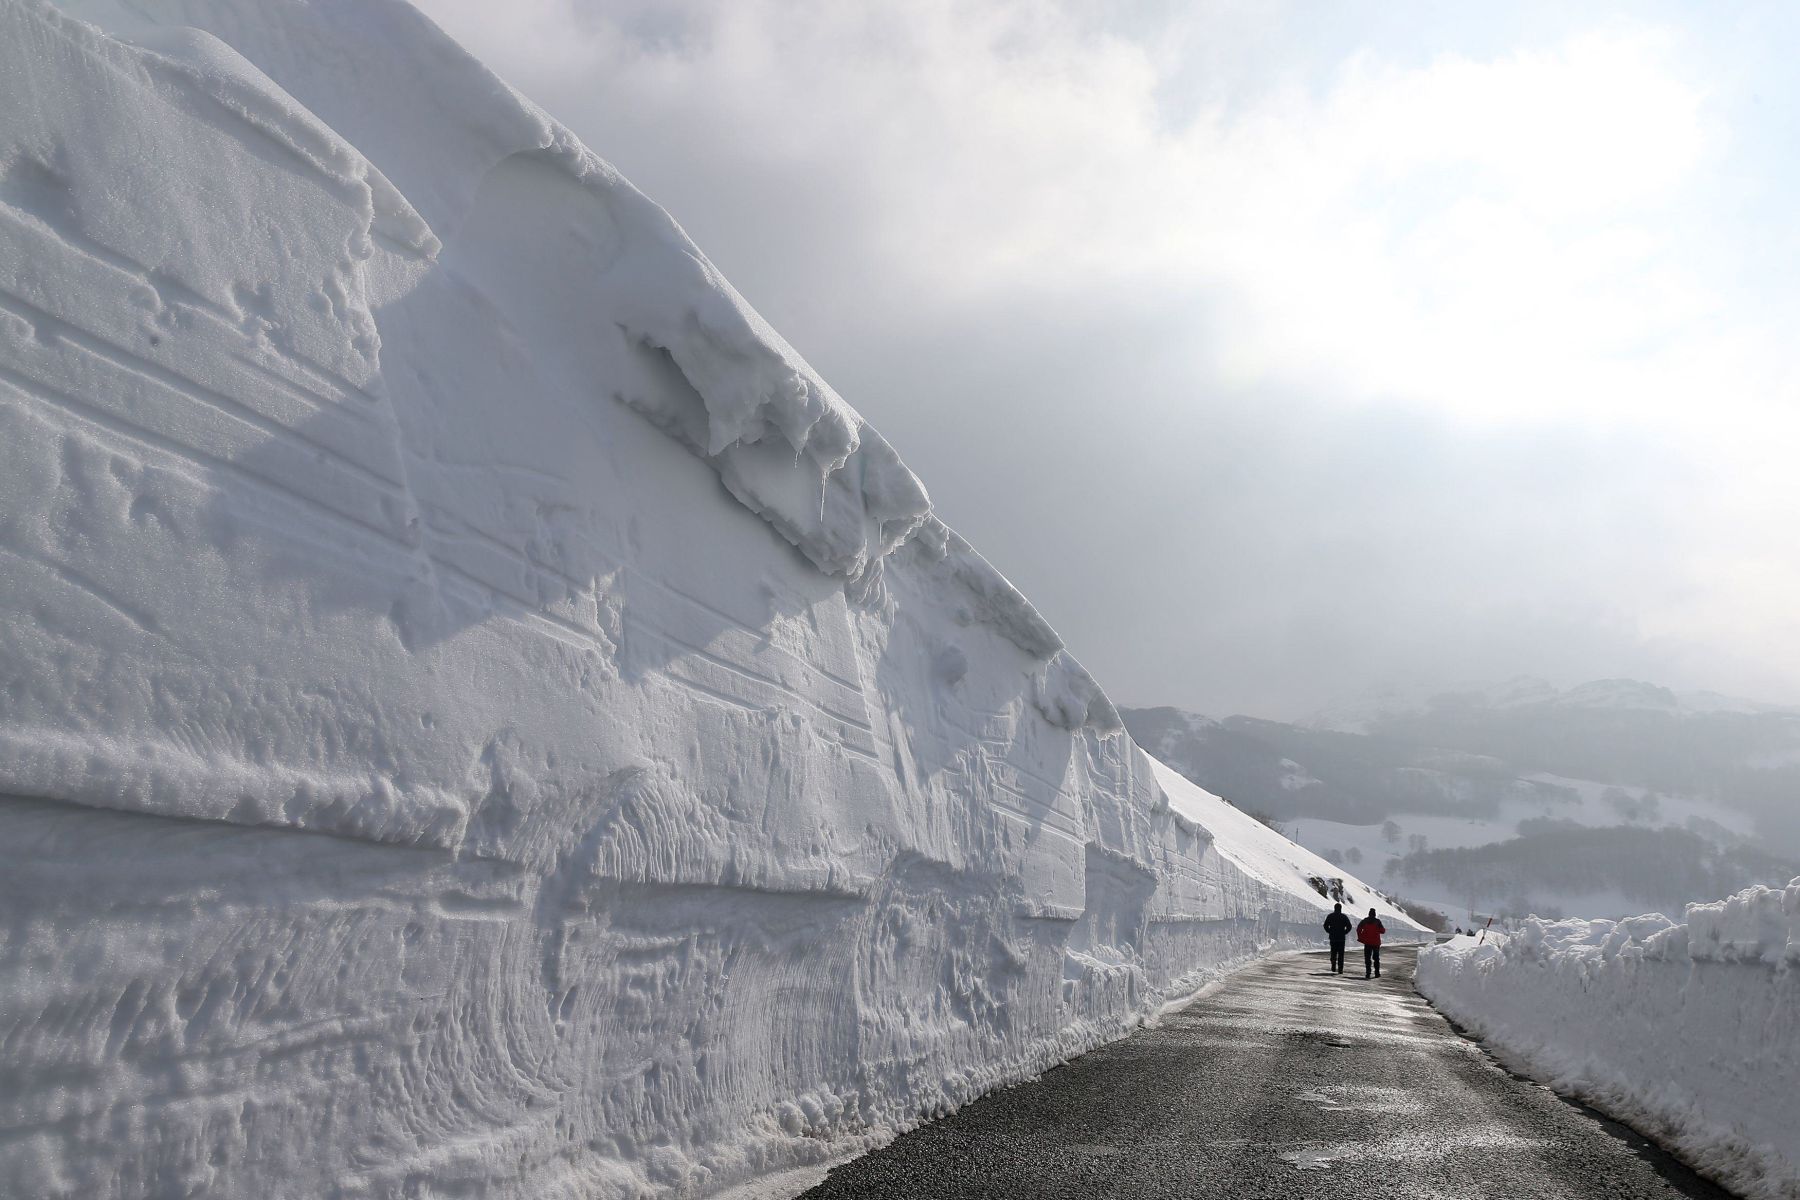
x=1758, y=925
x=1689, y=1031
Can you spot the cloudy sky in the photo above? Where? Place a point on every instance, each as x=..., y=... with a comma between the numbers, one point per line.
x=1276, y=351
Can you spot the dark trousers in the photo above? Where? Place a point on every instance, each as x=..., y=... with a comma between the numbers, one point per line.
x=1371, y=960
x=1337, y=955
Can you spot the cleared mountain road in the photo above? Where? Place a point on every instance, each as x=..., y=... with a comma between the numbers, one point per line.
x=1287, y=1081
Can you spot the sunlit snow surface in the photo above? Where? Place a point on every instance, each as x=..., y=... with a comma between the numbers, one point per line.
x=1689, y=1031
x=480, y=716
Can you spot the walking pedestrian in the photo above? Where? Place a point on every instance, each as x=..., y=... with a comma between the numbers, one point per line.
x=1368, y=932
x=1337, y=928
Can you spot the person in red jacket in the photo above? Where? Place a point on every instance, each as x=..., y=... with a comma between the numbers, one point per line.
x=1368, y=932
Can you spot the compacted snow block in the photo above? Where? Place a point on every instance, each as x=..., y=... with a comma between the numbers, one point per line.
x=1691, y=1032
x=478, y=715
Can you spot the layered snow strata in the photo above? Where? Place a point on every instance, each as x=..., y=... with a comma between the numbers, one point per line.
x=477, y=713
x=1690, y=1032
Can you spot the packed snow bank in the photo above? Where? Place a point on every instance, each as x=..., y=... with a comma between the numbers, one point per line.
x=1690, y=1032
x=479, y=714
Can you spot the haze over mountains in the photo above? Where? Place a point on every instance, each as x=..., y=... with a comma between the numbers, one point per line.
x=1608, y=798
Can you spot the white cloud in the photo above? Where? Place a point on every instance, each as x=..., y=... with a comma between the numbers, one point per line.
x=1383, y=230
x=948, y=203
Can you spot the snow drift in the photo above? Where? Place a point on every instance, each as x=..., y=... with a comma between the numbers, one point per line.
x=478, y=714
x=1690, y=1032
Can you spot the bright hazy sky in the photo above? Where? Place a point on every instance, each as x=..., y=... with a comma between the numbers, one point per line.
x=1276, y=351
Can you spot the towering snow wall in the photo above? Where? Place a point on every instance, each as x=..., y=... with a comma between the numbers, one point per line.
x=1689, y=1031
x=478, y=715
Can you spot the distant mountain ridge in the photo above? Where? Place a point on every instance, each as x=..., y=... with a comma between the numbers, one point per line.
x=1286, y=771
x=1477, y=782
x=1370, y=709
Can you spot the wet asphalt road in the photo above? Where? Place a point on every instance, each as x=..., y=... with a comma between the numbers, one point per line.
x=1287, y=1082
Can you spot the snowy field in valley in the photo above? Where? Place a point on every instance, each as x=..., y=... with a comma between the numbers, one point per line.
x=1370, y=849
x=481, y=716
x=1689, y=1031
x=1609, y=799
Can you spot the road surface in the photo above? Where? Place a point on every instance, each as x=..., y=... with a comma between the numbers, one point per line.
x=1286, y=1082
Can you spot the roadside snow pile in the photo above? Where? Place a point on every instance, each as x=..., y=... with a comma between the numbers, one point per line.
x=1689, y=1032
x=478, y=714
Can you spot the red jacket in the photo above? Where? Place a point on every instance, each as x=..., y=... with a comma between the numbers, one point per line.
x=1369, y=931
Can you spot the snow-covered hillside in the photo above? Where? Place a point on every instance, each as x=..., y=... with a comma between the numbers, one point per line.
x=1458, y=806
x=480, y=715
x=1689, y=1031
x=1384, y=851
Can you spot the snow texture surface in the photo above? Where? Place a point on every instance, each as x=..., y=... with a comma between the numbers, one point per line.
x=1690, y=1032
x=478, y=714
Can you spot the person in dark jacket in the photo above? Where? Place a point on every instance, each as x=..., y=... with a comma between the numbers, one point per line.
x=1337, y=928
x=1368, y=932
